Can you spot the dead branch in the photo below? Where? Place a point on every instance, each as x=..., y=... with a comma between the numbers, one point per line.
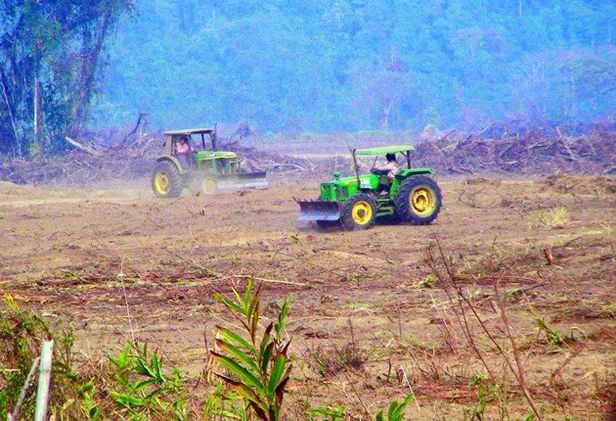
x=84, y=148
x=132, y=134
x=521, y=374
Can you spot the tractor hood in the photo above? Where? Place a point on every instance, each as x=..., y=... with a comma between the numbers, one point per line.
x=364, y=180
x=209, y=155
x=342, y=188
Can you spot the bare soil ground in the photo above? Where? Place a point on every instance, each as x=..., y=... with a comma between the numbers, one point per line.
x=369, y=319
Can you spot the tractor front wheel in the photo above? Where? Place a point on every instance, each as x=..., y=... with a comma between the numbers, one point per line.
x=166, y=180
x=359, y=212
x=418, y=200
x=209, y=185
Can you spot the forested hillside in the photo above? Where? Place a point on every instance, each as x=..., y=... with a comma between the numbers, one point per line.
x=288, y=65
x=362, y=64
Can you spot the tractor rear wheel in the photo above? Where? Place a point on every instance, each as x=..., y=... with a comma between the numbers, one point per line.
x=359, y=212
x=166, y=180
x=418, y=200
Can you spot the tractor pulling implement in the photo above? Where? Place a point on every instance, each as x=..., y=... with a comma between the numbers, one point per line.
x=200, y=166
x=355, y=202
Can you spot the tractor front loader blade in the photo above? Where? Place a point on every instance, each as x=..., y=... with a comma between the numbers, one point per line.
x=240, y=181
x=316, y=210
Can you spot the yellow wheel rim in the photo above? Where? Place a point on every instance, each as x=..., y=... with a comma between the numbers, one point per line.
x=362, y=212
x=423, y=201
x=208, y=185
x=162, y=181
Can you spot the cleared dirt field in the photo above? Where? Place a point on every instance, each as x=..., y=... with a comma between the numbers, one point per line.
x=370, y=318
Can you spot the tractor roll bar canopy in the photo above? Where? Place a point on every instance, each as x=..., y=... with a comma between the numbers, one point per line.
x=188, y=132
x=202, y=131
x=383, y=150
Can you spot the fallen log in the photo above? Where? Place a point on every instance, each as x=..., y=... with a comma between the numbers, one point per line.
x=84, y=148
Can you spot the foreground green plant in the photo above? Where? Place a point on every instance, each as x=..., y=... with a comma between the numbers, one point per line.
x=486, y=391
x=554, y=337
x=396, y=409
x=21, y=334
x=143, y=389
x=258, y=368
x=223, y=405
x=132, y=386
x=326, y=413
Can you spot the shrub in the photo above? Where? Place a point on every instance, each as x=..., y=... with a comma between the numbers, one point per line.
x=555, y=218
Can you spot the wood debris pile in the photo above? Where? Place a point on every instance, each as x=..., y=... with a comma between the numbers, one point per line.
x=523, y=152
x=89, y=162
x=533, y=153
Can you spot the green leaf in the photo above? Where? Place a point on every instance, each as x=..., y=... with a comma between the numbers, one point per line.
x=86, y=388
x=234, y=307
x=255, y=321
x=392, y=408
x=122, y=359
x=396, y=410
x=252, y=313
x=284, y=310
x=276, y=375
x=240, y=372
x=334, y=413
x=157, y=366
x=94, y=413
x=126, y=400
x=143, y=383
x=409, y=398
x=248, y=292
x=235, y=352
x=143, y=369
x=266, y=356
x=239, y=301
x=232, y=336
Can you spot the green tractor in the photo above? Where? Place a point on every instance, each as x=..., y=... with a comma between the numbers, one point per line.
x=405, y=195
x=191, y=158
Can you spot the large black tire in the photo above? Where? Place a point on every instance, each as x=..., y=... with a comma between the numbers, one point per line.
x=418, y=200
x=166, y=180
x=359, y=212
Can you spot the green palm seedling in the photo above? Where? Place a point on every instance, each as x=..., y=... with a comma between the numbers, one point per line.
x=257, y=368
x=396, y=410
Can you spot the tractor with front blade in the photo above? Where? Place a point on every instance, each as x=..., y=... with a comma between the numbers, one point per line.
x=410, y=195
x=191, y=159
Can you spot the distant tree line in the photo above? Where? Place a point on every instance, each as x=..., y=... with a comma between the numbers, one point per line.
x=296, y=65
x=327, y=65
x=51, y=53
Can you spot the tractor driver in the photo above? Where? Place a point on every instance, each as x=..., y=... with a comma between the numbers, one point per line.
x=183, y=149
x=388, y=173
